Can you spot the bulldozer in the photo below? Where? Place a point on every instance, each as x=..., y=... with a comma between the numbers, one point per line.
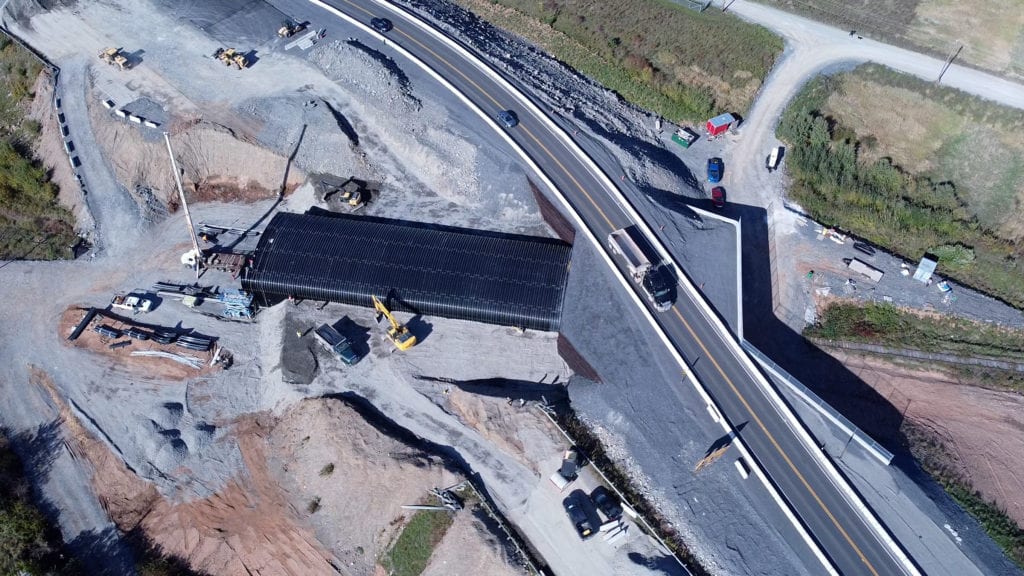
x=114, y=57
x=231, y=56
x=290, y=28
x=398, y=333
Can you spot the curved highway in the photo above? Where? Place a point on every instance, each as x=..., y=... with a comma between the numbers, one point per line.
x=839, y=529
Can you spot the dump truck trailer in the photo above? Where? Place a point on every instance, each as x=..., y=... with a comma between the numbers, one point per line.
x=650, y=278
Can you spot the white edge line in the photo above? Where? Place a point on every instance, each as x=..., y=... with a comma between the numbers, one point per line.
x=738, y=226
x=856, y=434
x=826, y=563
x=783, y=409
x=826, y=465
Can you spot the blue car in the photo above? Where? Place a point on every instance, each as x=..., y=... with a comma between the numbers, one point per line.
x=715, y=169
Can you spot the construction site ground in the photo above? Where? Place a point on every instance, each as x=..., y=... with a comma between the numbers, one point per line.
x=202, y=447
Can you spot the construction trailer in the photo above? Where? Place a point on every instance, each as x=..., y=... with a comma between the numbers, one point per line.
x=720, y=124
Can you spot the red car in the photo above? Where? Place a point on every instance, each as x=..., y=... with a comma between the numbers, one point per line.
x=718, y=196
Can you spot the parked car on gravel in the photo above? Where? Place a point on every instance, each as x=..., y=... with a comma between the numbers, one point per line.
x=715, y=169
x=718, y=196
x=573, y=505
x=607, y=503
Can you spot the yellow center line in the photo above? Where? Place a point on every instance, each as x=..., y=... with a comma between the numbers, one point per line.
x=775, y=443
x=571, y=177
x=693, y=334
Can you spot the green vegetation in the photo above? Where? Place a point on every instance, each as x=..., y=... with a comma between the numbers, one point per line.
x=682, y=64
x=941, y=464
x=27, y=544
x=411, y=552
x=313, y=505
x=32, y=223
x=910, y=214
x=887, y=325
x=327, y=470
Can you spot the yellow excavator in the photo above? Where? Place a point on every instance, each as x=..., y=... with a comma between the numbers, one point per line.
x=397, y=333
x=114, y=57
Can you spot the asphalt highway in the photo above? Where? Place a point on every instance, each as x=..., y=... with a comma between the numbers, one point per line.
x=840, y=531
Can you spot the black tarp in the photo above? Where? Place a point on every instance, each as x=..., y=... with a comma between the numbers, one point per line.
x=505, y=279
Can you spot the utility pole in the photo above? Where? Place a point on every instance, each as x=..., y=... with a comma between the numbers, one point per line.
x=949, y=61
x=184, y=204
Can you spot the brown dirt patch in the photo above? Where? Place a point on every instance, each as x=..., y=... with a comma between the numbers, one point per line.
x=49, y=148
x=163, y=368
x=218, y=164
x=362, y=494
x=982, y=428
x=521, y=432
x=246, y=528
x=469, y=548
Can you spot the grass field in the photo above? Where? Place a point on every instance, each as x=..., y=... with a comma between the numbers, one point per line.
x=887, y=325
x=676, y=62
x=914, y=168
x=32, y=224
x=991, y=31
x=411, y=552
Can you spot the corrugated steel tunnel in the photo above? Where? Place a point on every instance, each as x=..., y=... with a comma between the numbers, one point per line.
x=499, y=278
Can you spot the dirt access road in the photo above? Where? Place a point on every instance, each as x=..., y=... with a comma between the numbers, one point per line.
x=812, y=47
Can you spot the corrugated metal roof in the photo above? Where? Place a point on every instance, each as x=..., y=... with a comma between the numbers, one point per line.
x=505, y=279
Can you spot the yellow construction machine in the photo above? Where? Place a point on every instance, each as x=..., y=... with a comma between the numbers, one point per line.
x=353, y=194
x=397, y=333
x=290, y=28
x=231, y=56
x=114, y=57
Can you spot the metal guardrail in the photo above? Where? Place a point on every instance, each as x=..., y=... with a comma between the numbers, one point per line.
x=986, y=361
x=622, y=497
x=815, y=402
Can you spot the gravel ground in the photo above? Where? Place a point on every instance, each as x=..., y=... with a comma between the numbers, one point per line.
x=656, y=425
x=332, y=124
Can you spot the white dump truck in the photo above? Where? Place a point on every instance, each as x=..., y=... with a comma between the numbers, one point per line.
x=652, y=279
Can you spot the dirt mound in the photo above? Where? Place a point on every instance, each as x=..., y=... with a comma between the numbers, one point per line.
x=509, y=426
x=217, y=164
x=359, y=475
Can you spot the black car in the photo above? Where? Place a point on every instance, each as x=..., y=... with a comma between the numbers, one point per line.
x=865, y=248
x=382, y=25
x=508, y=118
x=577, y=515
x=606, y=502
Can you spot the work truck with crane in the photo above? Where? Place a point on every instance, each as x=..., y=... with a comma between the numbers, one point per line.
x=652, y=279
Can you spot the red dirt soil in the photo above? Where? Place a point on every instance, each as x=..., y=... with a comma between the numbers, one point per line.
x=983, y=428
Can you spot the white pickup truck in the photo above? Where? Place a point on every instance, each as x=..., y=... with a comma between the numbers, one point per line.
x=134, y=302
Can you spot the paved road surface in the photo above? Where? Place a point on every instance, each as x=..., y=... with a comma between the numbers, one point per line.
x=847, y=540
